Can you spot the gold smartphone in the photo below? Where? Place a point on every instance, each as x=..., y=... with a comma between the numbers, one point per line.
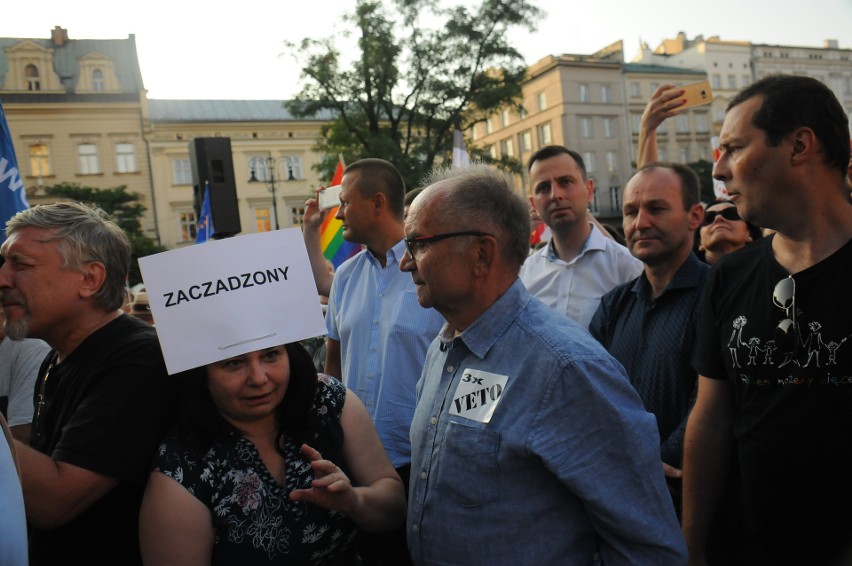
x=696, y=94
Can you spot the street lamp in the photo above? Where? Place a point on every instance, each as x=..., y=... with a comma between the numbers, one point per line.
x=271, y=164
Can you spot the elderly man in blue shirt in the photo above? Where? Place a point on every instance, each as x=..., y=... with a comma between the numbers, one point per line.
x=529, y=446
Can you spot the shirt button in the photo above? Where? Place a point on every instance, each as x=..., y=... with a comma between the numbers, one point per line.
x=450, y=369
x=415, y=528
x=433, y=420
x=422, y=475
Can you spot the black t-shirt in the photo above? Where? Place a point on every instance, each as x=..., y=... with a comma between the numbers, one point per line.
x=109, y=404
x=793, y=424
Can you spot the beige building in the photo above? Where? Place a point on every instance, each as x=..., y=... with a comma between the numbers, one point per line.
x=267, y=145
x=76, y=112
x=726, y=63
x=573, y=100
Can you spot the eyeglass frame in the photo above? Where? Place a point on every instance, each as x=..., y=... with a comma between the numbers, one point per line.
x=412, y=242
x=710, y=217
x=785, y=325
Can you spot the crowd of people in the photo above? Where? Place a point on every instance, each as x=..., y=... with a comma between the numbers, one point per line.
x=683, y=397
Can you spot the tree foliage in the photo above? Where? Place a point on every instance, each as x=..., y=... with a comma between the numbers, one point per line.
x=704, y=170
x=124, y=208
x=411, y=84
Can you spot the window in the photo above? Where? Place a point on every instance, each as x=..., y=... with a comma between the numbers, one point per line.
x=297, y=214
x=40, y=160
x=584, y=93
x=504, y=117
x=684, y=155
x=662, y=154
x=489, y=126
x=31, y=76
x=609, y=128
x=525, y=141
x=654, y=87
x=492, y=151
x=591, y=161
x=732, y=82
x=719, y=114
x=262, y=219
x=682, y=123
x=635, y=89
x=541, y=98
x=611, y=161
x=522, y=112
x=260, y=167
x=187, y=225
x=543, y=134
x=87, y=158
x=586, y=128
x=507, y=148
x=701, y=122
x=294, y=167
x=181, y=172
x=605, y=93
x=125, y=158
x=98, y=84
x=746, y=80
x=636, y=122
x=717, y=81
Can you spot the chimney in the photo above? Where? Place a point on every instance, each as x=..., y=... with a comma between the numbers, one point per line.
x=59, y=36
x=830, y=44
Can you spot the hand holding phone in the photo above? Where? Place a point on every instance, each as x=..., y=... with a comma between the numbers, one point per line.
x=329, y=197
x=695, y=94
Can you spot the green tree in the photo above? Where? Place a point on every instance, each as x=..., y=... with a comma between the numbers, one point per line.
x=704, y=170
x=411, y=84
x=124, y=208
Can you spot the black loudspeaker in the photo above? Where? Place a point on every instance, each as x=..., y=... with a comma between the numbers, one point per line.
x=213, y=165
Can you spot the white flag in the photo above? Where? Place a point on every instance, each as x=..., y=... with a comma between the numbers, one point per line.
x=460, y=158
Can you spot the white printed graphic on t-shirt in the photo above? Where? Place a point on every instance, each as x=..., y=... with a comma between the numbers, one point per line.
x=478, y=394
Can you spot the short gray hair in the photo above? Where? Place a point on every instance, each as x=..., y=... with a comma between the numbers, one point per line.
x=482, y=198
x=83, y=234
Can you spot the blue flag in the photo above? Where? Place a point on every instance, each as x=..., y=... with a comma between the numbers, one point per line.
x=13, y=199
x=205, y=229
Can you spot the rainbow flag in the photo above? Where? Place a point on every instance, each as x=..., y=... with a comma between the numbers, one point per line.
x=334, y=247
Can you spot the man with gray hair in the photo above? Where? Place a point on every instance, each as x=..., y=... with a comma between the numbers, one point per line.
x=520, y=412
x=103, y=397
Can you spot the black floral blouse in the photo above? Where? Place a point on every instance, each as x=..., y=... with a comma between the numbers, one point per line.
x=255, y=522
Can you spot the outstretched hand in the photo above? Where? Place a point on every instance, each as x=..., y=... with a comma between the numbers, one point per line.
x=313, y=216
x=664, y=103
x=331, y=487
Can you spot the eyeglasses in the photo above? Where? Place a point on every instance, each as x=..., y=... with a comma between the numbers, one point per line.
x=419, y=242
x=730, y=213
x=787, y=331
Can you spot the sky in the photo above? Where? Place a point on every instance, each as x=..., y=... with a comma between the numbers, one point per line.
x=235, y=50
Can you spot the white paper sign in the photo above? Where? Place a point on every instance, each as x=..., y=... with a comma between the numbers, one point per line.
x=478, y=394
x=226, y=297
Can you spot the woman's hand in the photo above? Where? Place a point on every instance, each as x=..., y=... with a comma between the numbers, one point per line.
x=331, y=487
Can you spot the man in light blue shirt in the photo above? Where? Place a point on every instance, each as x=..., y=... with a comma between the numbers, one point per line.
x=579, y=264
x=529, y=446
x=377, y=333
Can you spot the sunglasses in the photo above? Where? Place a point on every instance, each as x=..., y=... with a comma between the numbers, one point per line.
x=730, y=214
x=419, y=242
x=787, y=331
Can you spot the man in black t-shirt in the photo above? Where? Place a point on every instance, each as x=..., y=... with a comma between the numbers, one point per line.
x=773, y=353
x=103, y=399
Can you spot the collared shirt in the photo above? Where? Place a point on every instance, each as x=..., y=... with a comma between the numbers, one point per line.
x=574, y=288
x=384, y=334
x=654, y=340
x=529, y=446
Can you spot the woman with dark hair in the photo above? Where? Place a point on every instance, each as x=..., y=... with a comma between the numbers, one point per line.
x=723, y=231
x=269, y=463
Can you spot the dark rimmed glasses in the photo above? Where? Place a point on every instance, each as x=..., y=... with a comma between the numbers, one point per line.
x=728, y=213
x=419, y=242
x=787, y=331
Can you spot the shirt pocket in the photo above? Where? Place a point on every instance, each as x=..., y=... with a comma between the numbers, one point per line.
x=469, y=473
